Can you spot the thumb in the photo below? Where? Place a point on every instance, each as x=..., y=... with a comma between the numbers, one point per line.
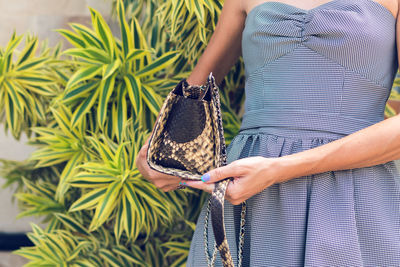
x=218, y=174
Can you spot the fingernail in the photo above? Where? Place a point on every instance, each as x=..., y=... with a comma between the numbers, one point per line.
x=205, y=177
x=180, y=182
x=184, y=183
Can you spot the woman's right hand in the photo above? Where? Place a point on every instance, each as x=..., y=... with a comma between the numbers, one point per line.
x=161, y=180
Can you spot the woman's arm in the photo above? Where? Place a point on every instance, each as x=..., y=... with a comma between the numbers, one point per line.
x=224, y=47
x=376, y=144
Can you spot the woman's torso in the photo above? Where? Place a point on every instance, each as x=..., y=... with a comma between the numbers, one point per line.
x=326, y=68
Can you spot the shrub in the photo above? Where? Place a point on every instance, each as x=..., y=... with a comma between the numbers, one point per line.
x=88, y=110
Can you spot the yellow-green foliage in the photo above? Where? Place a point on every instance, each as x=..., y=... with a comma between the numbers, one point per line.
x=395, y=95
x=88, y=110
x=25, y=83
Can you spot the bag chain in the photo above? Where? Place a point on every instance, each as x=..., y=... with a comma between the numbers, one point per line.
x=241, y=237
x=211, y=263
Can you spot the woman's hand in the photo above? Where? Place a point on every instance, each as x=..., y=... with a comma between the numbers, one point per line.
x=251, y=176
x=163, y=181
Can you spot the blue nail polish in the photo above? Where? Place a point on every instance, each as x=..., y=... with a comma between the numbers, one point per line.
x=184, y=183
x=205, y=177
x=180, y=182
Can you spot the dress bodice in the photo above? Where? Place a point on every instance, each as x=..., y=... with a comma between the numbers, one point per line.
x=329, y=68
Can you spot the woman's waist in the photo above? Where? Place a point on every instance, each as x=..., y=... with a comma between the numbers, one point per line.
x=293, y=122
x=291, y=132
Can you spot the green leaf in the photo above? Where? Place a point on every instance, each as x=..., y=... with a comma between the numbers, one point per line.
x=33, y=63
x=110, y=258
x=152, y=99
x=32, y=78
x=99, y=55
x=128, y=255
x=29, y=252
x=199, y=11
x=110, y=69
x=83, y=74
x=17, y=100
x=137, y=53
x=12, y=44
x=103, y=31
x=72, y=38
x=85, y=106
x=90, y=54
x=106, y=89
x=28, y=52
x=127, y=38
x=12, y=117
x=179, y=247
x=88, y=35
x=135, y=94
x=68, y=171
x=166, y=59
x=106, y=205
x=121, y=111
x=85, y=179
x=129, y=192
x=71, y=223
x=88, y=200
x=63, y=121
x=118, y=225
x=80, y=91
x=41, y=90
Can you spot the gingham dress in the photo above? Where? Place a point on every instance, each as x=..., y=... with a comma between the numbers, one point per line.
x=312, y=77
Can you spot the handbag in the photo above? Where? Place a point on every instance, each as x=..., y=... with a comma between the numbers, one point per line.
x=187, y=141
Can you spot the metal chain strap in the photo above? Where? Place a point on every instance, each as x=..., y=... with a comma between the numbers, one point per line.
x=241, y=233
x=211, y=263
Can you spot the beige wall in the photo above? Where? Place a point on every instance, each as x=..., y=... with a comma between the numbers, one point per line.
x=40, y=17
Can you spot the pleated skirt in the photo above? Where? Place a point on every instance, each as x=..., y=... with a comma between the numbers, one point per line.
x=336, y=218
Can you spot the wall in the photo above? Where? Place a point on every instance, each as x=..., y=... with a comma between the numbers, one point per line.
x=42, y=17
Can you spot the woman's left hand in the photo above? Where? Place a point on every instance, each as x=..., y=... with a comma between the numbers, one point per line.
x=251, y=176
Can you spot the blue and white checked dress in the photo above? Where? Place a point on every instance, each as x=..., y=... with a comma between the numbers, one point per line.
x=314, y=76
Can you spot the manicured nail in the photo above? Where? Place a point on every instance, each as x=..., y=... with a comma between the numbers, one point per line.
x=205, y=177
x=184, y=183
x=180, y=182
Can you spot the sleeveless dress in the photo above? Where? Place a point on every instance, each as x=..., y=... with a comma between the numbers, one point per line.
x=312, y=77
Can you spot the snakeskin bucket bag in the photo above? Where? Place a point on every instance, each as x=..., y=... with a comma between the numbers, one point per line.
x=187, y=141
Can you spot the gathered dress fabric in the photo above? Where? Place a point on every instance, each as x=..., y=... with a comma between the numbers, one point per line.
x=312, y=77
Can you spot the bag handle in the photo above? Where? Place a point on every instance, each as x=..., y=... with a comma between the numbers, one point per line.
x=218, y=195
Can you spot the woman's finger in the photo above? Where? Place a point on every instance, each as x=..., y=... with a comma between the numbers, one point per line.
x=220, y=173
x=199, y=185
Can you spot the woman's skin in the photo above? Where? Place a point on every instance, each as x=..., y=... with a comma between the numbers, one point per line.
x=376, y=144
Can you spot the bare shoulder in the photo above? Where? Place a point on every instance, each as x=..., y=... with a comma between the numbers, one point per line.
x=392, y=6
x=233, y=15
x=247, y=5
x=236, y=6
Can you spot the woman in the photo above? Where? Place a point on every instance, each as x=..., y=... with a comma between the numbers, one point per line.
x=313, y=157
